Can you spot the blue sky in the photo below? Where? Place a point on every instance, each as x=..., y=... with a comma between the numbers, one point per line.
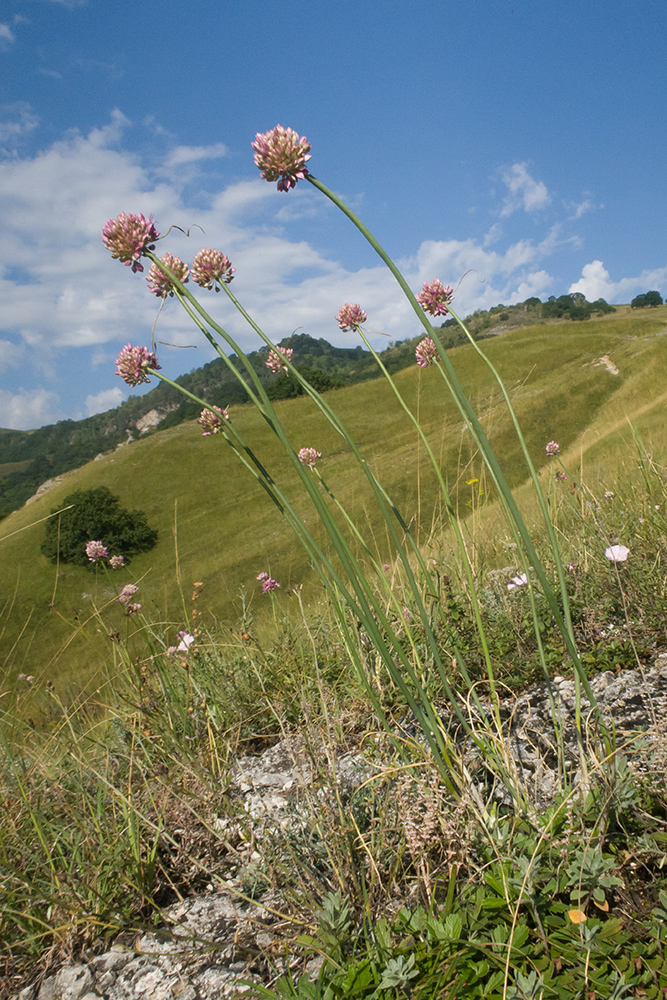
x=509, y=149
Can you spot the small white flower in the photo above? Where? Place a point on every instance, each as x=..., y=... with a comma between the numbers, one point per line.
x=186, y=640
x=617, y=553
x=517, y=581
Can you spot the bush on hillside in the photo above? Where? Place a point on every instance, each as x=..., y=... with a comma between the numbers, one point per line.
x=96, y=515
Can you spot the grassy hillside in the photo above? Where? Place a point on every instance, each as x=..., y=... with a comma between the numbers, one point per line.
x=216, y=526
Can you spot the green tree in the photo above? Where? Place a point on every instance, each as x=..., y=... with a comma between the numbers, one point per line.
x=96, y=515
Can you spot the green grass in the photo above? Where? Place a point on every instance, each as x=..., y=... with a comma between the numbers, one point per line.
x=217, y=527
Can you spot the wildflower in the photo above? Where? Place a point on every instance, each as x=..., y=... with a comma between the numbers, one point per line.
x=132, y=609
x=386, y=567
x=426, y=352
x=520, y=580
x=212, y=420
x=350, y=316
x=277, y=358
x=133, y=363
x=435, y=297
x=560, y=476
x=282, y=156
x=95, y=551
x=128, y=236
x=159, y=283
x=186, y=641
x=309, y=456
x=617, y=553
x=553, y=448
x=116, y=562
x=212, y=268
x=269, y=585
x=127, y=593
x=609, y=494
x=262, y=576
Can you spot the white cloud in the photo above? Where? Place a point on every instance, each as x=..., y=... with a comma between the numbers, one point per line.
x=192, y=154
x=105, y=400
x=524, y=191
x=596, y=283
x=577, y=209
x=6, y=36
x=24, y=410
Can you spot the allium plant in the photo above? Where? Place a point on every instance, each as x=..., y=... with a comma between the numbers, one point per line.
x=128, y=237
x=133, y=364
x=212, y=420
x=281, y=155
x=553, y=448
x=309, y=456
x=159, y=283
x=350, y=316
x=117, y=562
x=435, y=298
x=277, y=358
x=212, y=269
x=96, y=551
x=127, y=593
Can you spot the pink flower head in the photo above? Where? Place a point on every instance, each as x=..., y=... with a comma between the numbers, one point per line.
x=128, y=237
x=268, y=585
x=350, y=316
x=426, y=352
x=560, y=476
x=617, y=553
x=517, y=581
x=553, y=448
x=282, y=156
x=211, y=269
x=277, y=358
x=159, y=283
x=186, y=641
x=132, y=364
x=309, y=456
x=262, y=576
x=435, y=297
x=116, y=562
x=127, y=593
x=96, y=550
x=212, y=420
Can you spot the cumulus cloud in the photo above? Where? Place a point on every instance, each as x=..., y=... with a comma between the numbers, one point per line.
x=105, y=400
x=24, y=410
x=596, y=283
x=523, y=191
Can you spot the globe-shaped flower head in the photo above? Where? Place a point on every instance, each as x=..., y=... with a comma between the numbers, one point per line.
x=211, y=269
x=350, y=316
x=133, y=363
x=212, y=420
x=128, y=236
x=159, y=283
x=281, y=155
x=276, y=361
x=426, y=352
x=435, y=297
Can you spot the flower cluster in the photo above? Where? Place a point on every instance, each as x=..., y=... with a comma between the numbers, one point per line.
x=268, y=585
x=116, y=562
x=350, y=316
x=132, y=364
x=309, y=456
x=426, y=352
x=212, y=420
x=435, y=297
x=159, y=283
x=277, y=358
x=212, y=268
x=127, y=593
x=281, y=155
x=553, y=448
x=96, y=550
x=128, y=236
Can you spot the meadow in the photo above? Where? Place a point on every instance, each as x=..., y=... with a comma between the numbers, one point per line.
x=113, y=746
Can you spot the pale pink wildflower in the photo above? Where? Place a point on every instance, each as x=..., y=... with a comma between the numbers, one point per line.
x=426, y=352
x=116, y=562
x=186, y=641
x=159, y=283
x=350, y=316
x=212, y=420
x=281, y=155
x=96, y=550
x=520, y=580
x=435, y=297
x=553, y=448
x=133, y=363
x=128, y=237
x=617, y=553
x=269, y=585
x=277, y=359
x=127, y=593
x=309, y=456
x=262, y=576
x=212, y=268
